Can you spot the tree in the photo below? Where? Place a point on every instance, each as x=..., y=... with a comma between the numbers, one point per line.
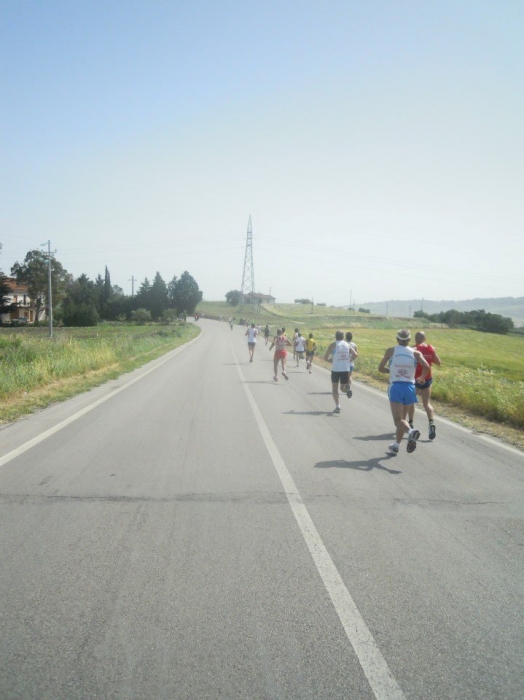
x=79, y=307
x=141, y=316
x=108, y=290
x=303, y=301
x=142, y=298
x=171, y=293
x=104, y=292
x=233, y=297
x=158, y=297
x=33, y=272
x=5, y=292
x=187, y=295
x=119, y=307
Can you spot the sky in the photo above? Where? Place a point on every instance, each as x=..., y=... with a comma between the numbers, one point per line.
x=377, y=145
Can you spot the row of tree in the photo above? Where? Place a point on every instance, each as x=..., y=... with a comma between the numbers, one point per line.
x=477, y=320
x=84, y=302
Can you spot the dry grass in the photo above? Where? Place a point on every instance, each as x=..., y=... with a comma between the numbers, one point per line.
x=501, y=431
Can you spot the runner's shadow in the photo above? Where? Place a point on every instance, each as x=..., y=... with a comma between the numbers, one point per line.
x=384, y=436
x=360, y=465
x=319, y=393
x=306, y=413
x=260, y=381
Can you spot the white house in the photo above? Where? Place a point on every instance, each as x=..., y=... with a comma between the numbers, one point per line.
x=23, y=310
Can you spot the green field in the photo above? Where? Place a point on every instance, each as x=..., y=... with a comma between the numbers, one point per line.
x=296, y=315
x=481, y=373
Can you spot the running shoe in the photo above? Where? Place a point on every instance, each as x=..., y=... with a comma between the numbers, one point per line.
x=285, y=375
x=393, y=448
x=432, y=431
x=349, y=392
x=412, y=440
x=275, y=378
x=337, y=410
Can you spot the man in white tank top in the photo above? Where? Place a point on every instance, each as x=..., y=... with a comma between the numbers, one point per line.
x=400, y=363
x=343, y=355
x=251, y=340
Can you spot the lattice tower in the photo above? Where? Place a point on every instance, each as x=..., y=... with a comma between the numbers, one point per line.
x=247, y=290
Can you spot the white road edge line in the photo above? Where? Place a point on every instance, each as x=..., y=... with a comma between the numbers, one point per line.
x=375, y=668
x=447, y=421
x=56, y=428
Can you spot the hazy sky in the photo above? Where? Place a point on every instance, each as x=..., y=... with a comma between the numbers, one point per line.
x=378, y=146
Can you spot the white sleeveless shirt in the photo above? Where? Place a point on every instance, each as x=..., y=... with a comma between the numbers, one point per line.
x=341, y=354
x=402, y=365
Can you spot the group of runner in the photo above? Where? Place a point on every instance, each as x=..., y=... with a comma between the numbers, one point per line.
x=409, y=369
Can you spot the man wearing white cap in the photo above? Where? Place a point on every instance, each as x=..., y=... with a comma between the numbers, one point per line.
x=400, y=363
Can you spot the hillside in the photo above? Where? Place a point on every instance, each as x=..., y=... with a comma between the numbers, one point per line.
x=513, y=307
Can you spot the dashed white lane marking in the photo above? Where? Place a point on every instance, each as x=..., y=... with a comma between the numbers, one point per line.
x=375, y=668
x=56, y=428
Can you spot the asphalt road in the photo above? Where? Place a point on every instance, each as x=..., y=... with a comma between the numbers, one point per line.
x=196, y=530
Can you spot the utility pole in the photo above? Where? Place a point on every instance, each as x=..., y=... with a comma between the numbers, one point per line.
x=49, y=288
x=248, y=274
x=132, y=280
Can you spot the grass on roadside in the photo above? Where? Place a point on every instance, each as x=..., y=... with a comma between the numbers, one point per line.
x=36, y=371
x=480, y=372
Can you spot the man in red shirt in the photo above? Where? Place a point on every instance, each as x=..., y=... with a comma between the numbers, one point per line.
x=424, y=390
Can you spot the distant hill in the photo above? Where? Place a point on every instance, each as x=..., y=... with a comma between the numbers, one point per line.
x=505, y=306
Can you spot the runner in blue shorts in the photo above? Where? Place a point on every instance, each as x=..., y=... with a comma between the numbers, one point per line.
x=400, y=363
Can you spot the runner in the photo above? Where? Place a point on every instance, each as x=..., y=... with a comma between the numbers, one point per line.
x=311, y=347
x=300, y=347
x=266, y=333
x=424, y=388
x=342, y=357
x=251, y=340
x=400, y=362
x=279, y=343
x=295, y=342
x=349, y=341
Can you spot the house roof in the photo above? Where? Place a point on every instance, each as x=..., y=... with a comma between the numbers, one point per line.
x=15, y=286
x=259, y=295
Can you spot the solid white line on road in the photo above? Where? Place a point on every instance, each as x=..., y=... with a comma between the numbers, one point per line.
x=450, y=423
x=374, y=665
x=48, y=433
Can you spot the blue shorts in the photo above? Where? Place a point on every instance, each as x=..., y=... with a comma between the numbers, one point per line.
x=402, y=392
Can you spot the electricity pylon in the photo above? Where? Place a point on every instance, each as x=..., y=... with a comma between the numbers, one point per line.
x=247, y=290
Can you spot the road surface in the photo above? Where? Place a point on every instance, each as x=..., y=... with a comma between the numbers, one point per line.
x=196, y=530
